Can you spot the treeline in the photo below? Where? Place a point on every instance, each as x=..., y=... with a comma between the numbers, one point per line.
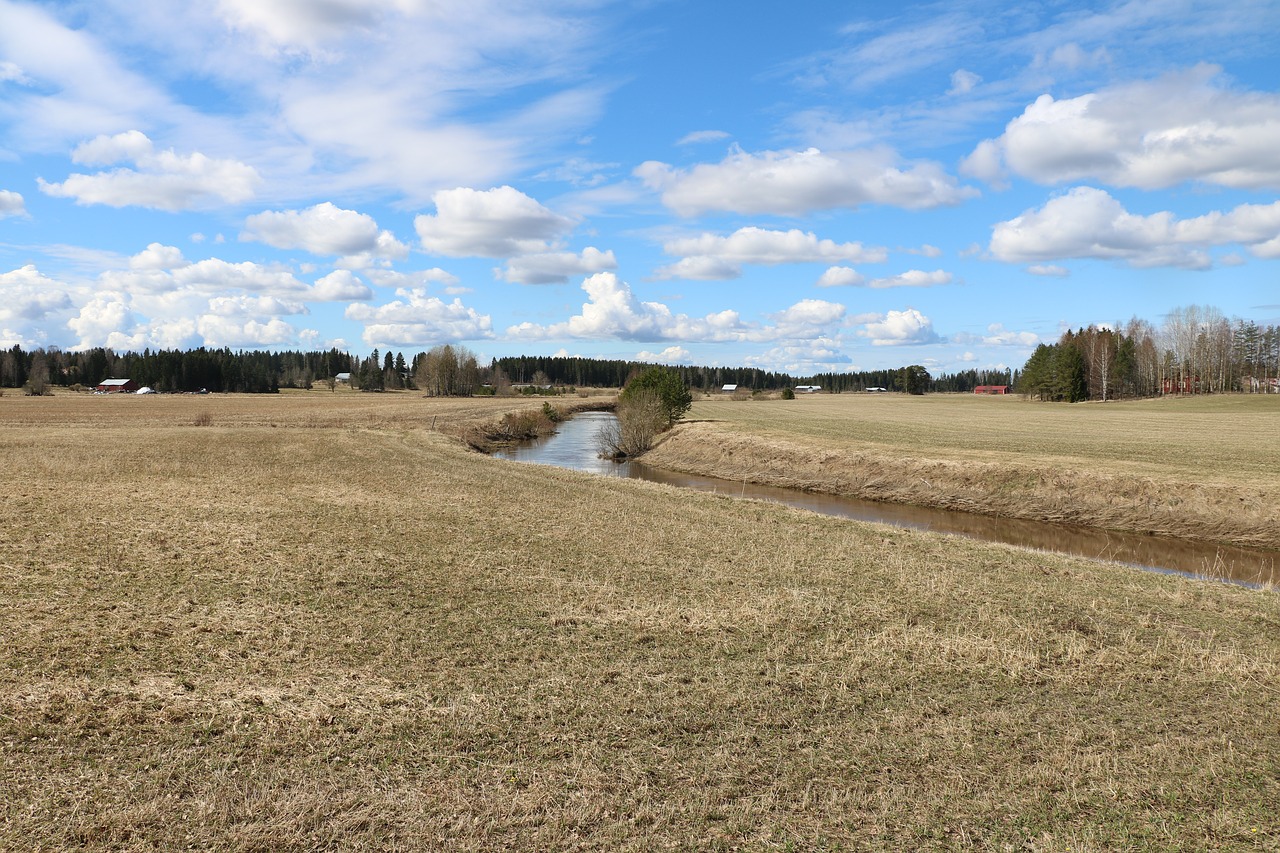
x=1195, y=351
x=217, y=370
x=590, y=372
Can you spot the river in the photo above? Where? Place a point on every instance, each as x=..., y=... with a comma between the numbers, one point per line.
x=574, y=446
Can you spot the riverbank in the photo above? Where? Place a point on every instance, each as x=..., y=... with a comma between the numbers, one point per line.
x=1197, y=472
x=316, y=621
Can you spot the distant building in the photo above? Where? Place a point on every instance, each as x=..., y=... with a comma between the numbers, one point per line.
x=728, y=389
x=342, y=378
x=876, y=389
x=991, y=389
x=808, y=389
x=117, y=386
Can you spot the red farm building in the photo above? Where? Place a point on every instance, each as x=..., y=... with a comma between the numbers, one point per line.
x=117, y=386
x=991, y=389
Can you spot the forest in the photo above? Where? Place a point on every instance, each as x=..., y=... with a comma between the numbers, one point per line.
x=1195, y=351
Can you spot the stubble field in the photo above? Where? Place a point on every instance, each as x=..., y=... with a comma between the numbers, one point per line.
x=318, y=621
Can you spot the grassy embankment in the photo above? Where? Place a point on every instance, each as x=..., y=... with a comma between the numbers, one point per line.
x=1202, y=468
x=317, y=623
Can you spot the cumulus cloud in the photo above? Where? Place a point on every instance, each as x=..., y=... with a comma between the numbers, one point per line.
x=12, y=204
x=913, y=278
x=670, y=355
x=158, y=257
x=161, y=179
x=998, y=336
x=1152, y=134
x=340, y=286
x=323, y=229
x=28, y=298
x=418, y=319
x=612, y=311
x=1088, y=223
x=794, y=183
x=820, y=355
x=710, y=256
x=241, y=306
x=841, y=277
x=557, y=267
x=900, y=328
x=496, y=223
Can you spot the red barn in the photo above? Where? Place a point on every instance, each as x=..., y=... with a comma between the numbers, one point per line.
x=991, y=389
x=117, y=386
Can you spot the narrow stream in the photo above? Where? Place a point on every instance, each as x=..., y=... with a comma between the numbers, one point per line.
x=574, y=446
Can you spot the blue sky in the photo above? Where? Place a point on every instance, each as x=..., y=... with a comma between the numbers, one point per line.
x=806, y=187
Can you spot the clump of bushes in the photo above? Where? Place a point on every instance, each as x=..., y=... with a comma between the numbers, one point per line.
x=788, y=394
x=649, y=404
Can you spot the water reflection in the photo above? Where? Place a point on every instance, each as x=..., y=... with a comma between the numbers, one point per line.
x=575, y=446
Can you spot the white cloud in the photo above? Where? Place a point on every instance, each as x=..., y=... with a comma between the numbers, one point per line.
x=323, y=229
x=752, y=245
x=164, y=180
x=900, y=328
x=699, y=136
x=795, y=183
x=841, y=277
x=821, y=355
x=967, y=358
x=340, y=286
x=557, y=267
x=106, y=320
x=1150, y=134
x=998, y=335
x=927, y=251
x=670, y=355
x=698, y=268
x=11, y=72
x=612, y=311
x=1088, y=223
x=29, y=298
x=417, y=319
x=415, y=278
x=496, y=223
x=962, y=82
x=578, y=172
x=298, y=23
x=912, y=278
x=12, y=204
x=218, y=331
x=1049, y=270
x=158, y=257
x=241, y=306
x=807, y=318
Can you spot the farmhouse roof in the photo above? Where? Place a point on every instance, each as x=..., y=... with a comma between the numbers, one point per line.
x=112, y=383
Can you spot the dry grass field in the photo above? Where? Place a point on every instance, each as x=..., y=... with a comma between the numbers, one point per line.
x=315, y=622
x=1203, y=468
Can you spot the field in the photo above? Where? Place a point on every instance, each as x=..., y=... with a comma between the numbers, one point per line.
x=1202, y=468
x=318, y=621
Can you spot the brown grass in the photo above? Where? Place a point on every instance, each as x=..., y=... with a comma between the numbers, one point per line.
x=320, y=624
x=1189, y=468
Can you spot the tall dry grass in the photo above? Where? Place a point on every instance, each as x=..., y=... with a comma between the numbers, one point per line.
x=304, y=627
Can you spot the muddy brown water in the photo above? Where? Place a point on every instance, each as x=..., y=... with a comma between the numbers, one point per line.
x=574, y=445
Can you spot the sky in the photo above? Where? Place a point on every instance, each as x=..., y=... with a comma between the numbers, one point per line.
x=806, y=187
